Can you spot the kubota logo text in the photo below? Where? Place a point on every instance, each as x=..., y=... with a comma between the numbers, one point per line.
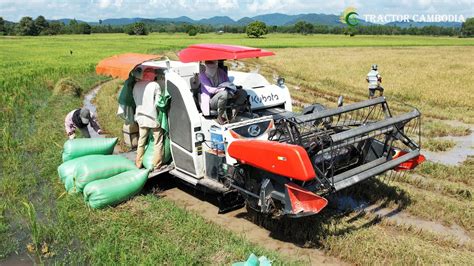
x=263, y=98
x=350, y=17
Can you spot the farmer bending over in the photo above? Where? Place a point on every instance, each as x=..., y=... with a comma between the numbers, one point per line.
x=145, y=92
x=80, y=118
x=374, y=79
x=217, y=91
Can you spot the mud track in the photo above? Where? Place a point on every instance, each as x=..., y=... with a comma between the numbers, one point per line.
x=239, y=221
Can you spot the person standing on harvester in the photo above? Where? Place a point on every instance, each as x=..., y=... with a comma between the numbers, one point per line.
x=145, y=93
x=374, y=79
x=80, y=119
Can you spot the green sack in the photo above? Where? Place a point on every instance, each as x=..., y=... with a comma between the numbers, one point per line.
x=167, y=149
x=105, y=192
x=67, y=169
x=162, y=105
x=75, y=148
x=148, y=156
x=254, y=261
x=92, y=169
x=127, y=105
x=126, y=93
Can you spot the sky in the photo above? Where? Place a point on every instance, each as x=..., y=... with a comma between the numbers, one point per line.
x=93, y=10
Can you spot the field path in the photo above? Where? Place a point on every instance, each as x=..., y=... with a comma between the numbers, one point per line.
x=237, y=223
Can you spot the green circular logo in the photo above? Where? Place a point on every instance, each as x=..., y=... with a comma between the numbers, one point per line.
x=351, y=19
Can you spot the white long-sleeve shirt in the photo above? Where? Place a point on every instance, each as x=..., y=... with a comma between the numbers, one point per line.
x=144, y=94
x=373, y=77
x=71, y=127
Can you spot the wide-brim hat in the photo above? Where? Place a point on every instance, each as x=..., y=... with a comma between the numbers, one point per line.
x=85, y=115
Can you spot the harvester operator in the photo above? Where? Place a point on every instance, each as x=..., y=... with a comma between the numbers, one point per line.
x=80, y=119
x=145, y=92
x=217, y=91
x=374, y=79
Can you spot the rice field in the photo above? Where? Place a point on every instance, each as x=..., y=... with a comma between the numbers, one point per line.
x=436, y=80
x=431, y=73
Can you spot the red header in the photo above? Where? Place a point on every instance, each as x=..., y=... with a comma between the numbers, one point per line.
x=203, y=52
x=278, y=158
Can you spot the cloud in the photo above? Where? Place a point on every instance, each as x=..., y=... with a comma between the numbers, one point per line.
x=267, y=5
x=93, y=10
x=227, y=4
x=103, y=4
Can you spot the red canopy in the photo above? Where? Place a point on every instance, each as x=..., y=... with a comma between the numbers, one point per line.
x=203, y=52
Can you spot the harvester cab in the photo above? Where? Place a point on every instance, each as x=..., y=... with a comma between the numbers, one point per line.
x=276, y=161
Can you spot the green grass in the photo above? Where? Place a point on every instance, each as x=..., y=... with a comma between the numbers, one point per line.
x=145, y=230
x=442, y=186
x=437, y=207
x=5, y=246
x=385, y=244
x=463, y=174
x=106, y=103
x=436, y=128
x=438, y=145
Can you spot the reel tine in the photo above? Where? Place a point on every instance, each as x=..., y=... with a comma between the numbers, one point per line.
x=390, y=176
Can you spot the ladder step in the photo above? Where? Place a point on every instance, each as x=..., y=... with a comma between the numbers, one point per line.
x=184, y=177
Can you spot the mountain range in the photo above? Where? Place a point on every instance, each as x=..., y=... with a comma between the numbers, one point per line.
x=274, y=19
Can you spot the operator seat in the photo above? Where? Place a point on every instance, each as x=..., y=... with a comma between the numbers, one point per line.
x=195, y=85
x=220, y=64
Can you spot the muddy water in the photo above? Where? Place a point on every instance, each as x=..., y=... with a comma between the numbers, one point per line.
x=455, y=156
x=398, y=217
x=88, y=104
x=345, y=202
x=18, y=260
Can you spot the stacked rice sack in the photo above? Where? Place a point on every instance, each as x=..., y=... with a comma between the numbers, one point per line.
x=104, y=179
x=150, y=148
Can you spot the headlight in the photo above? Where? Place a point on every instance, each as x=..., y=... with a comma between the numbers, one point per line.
x=199, y=137
x=281, y=82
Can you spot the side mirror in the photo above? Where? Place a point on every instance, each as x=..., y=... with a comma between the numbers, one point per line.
x=281, y=82
x=340, y=101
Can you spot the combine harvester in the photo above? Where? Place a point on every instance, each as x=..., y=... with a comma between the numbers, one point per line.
x=277, y=161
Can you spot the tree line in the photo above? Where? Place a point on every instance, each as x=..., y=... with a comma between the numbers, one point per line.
x=28, y=26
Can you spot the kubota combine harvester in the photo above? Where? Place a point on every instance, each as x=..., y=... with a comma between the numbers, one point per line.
x=278, y=161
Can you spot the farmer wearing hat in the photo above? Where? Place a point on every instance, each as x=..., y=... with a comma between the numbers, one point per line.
x=81, y=118
x=217, y=91
x=374, y=80
x=145, y=93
